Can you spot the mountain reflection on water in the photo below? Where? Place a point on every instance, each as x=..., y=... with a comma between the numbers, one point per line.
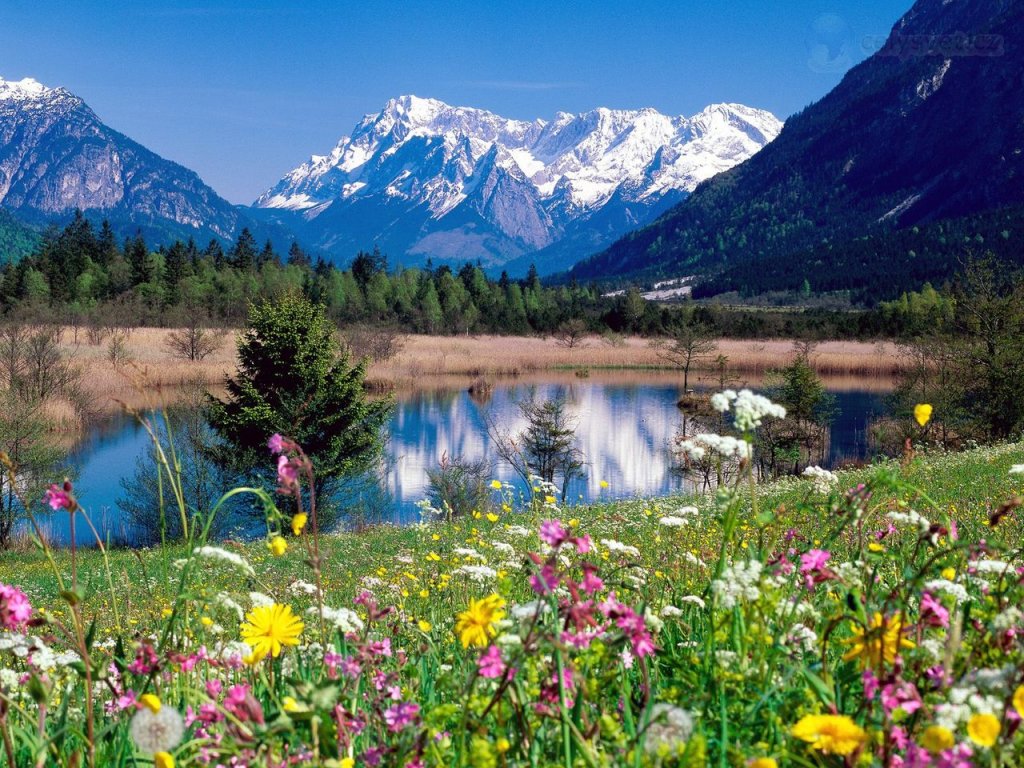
x=624, y=427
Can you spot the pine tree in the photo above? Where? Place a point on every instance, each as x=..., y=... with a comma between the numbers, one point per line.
x=243, y=252
x=292, y=379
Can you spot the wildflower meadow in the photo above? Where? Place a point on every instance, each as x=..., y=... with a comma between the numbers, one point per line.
x=863, y=618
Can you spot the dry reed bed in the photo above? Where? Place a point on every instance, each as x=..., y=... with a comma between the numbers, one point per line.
x=152, y=376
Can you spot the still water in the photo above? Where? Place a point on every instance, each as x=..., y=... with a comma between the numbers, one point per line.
x=624, y=429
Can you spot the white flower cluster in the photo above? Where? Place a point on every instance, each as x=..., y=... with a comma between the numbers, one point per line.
x=965, y=701
x=1017, y=469
x=823, y=480
x=259, y=600
x=739, y=582
x=300, y=587
x=222, y=555
x=801, y=638
x=669, y=729
x=725, y=445
x=503, y=548
x=519, y=531
x=343, y=619
x=481, y=574
x=911, y=518
x=679, y=518
x=224, y=601
x=469, y=554
x=945, y=586
x=749, y=410
x=992, y=566
x=617, y=547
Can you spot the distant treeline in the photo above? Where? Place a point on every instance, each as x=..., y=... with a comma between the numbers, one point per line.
x=79, y=274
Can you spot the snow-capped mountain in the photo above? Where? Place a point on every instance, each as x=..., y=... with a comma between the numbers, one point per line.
x=427, y=180
x=56, y=155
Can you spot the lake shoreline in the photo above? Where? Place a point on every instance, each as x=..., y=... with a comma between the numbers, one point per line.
x=151, y=377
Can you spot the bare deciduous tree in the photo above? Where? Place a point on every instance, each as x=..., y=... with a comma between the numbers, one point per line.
x=572, y=333
x=687, y=346
x=194, y=342
x=546, y=447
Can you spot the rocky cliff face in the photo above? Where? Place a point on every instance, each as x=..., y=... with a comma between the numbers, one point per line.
x=56, y=155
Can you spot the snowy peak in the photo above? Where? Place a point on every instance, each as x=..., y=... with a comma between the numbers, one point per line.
x=509, y=186
x=23, y=90
x=596, y=152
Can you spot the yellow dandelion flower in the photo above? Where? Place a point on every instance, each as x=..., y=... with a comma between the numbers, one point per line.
x=502, y=745
x=1018, y=700
x=763, y=762
x=603, y=483
x=922, y=413
x=433, y=557
x=475, y=625
x=278, y=546
x=298, y=523
x=492, y=518
x=881, y=642
x=496, y=485
x=983, y=728
x=549, y=499
x=151, y=702
x=163, y=760
x=289, y=704
x=424, y=625
x=347, y=762
x=830, y=734
x=206, y=621
x=937, y=739
x=949, y=574
x=269, y=628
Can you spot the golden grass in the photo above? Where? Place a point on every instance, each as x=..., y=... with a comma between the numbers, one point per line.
x=155, y=377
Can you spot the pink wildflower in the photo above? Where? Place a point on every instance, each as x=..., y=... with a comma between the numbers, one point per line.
x=15, y=609
x=491, y=664
x=401, y=715
x=545, y=581
x=276, y=443
x=933, y=612
x=287, y=474
x=591, y=581
x=553, y=533
x=60, y=498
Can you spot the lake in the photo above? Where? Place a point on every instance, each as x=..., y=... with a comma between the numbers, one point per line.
x=625, y=424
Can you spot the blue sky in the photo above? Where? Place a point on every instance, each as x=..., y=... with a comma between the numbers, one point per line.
x=242, y=92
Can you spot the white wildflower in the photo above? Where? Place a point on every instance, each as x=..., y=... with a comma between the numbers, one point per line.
x=699, y=602
x=226, y=602
x=669, y=728
x=992, y=566
x=518, y=530
x=671, y=612
x=823, y=480
x=911, y=518
x=619, y=548
x=527, y=611
x=481, y=574
x=222, y=555
x=1007, y=618
x=343, y=619
x=739, y=582
x=948, y=587
x=672, y=521
x=259, y=600
x=749, y=409
x=300, y=587
x=1017, y=469
x=801, y=638
x=469, y=554
x=503, y=548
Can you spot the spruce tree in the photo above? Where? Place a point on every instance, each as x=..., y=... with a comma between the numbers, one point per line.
x=293, y=379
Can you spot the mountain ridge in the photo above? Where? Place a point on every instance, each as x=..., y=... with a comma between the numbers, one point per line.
x=465, y=183
x=919, y=132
